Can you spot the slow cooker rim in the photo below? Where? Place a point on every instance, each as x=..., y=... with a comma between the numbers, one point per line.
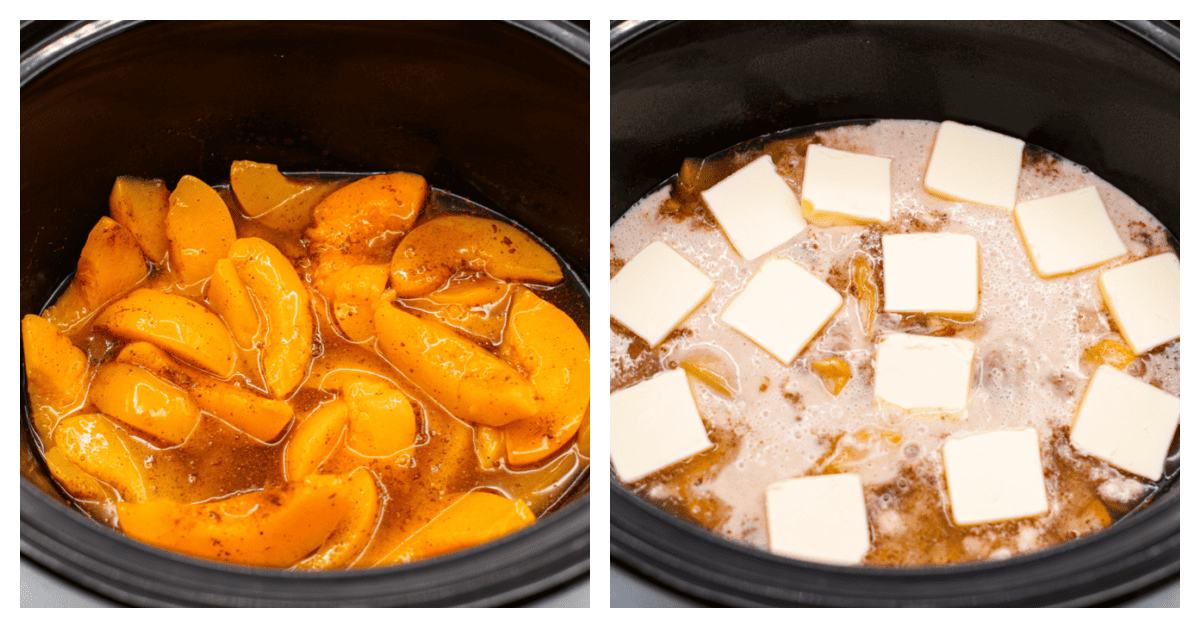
x=625, y=538
x=570, y=523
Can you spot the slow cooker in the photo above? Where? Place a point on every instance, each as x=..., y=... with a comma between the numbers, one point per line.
x=1105, y=95
x=495, y=112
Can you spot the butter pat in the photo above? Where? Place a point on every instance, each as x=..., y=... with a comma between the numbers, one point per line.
x=820, y=517
x=924, y=373
x=930, y=273
x=842, y=188
x=974, y=165
x=995, y=476
x=782, y=307
x=756, y=208
x=1068, y=232
x=654, y=425
x=1126, y=423
x=655, y=291
x=1143, y=298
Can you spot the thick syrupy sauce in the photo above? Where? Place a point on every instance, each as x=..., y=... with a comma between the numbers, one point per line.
x=783, y=422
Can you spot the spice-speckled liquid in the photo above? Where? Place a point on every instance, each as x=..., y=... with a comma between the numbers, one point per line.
x=782, y=421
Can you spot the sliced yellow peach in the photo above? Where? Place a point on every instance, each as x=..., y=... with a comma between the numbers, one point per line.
x=834, y=373
x=476, y=308
x=382, y=420
x=136, y=398
x=584, y=437
x=284, y=302
x=228, y=297
x=357, y=292
x=1108, y=351
x=96, y=445
x=270, y=528
x=852, y=450
x=141, y=206
x=355, y=530
x=863, y=281
x=261, y=417
x=311, y=443
x=489, y=446
x=111, y=263
x=199, y=228
x=279, y=202
x=56, y=372
x=472, y=519
x=177, y=324
x=547, y=346
x=73, y=479
x=469, y=382
x=435, y=250
x=341, y=364
x=360, y=223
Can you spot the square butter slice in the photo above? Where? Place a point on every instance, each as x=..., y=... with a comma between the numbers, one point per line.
x=654, y=425
x=1143, y=297
x=1126, y=423
x=1068, y=232
x=843, y=188
x=924, y=373
x=782, y=308
x=995, y=476
x=756, y=208
x=930, y=273
x=974, y=165
x=655, y=291
x=820, y=517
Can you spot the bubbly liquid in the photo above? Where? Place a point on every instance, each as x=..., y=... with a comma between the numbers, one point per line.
x=782, y=422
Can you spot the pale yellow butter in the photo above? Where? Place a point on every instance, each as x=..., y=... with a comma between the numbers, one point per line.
x=843, y=188
x=655, y=291
x=974, y=165
x=821, y=518
x=1068, y=232
x=756, y=208
x=995, y=476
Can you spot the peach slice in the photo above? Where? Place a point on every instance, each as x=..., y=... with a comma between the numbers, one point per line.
x=355, y=530
x=475, y=308
x=312, y=442
x=73, y=479
x=382, y=420
x=141, y=206
x=270, y=528
x=279, y=202
x=136, y=398
x=177, y=324
x=357, y=292
x=96, y=445
x=56, y=372
x=471, y=519
x=111, y=263
x=360, y=223
x=547, y=346
x=285, y=304
x=469, y=382
x=228, y=297
x=435, y=250
x=199, y=228
x=261, y=417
